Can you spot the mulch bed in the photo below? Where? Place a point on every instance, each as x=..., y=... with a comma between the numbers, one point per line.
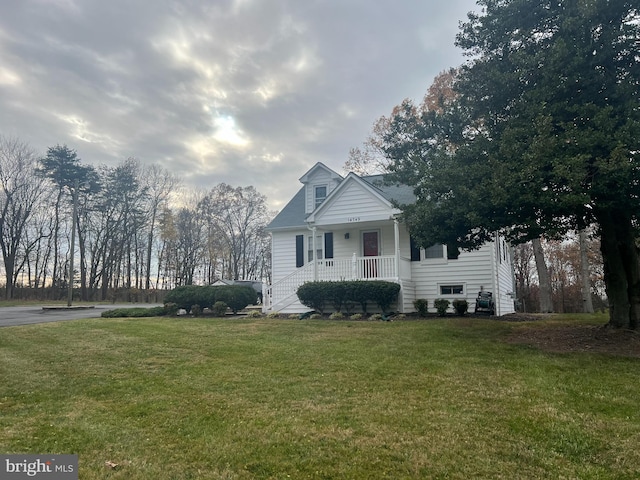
x=576, y=338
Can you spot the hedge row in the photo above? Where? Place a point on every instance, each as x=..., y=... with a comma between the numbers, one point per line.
x=134, y=312
x=236, y=297
x=344, y=295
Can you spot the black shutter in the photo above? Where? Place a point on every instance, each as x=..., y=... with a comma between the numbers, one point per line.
x=453, y=252
x=415, y=250
x=328, y=245
x=299, y=250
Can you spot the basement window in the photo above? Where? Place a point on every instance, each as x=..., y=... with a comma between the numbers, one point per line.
x=451, y=289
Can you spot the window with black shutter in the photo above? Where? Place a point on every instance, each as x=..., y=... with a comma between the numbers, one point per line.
x=328, y=245
x=415, y=250
x=299, y=250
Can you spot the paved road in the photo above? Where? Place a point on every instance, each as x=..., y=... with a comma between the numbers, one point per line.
x=13, y=316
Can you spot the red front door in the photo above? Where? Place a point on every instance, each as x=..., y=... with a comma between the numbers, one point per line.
x=370, y=244
x=370, y=249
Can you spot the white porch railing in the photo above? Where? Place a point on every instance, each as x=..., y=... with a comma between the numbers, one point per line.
x=329, y=269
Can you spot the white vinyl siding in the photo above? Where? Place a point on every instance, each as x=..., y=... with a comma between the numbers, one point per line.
x=283, y=251
x=472, y=270
x=354, y=204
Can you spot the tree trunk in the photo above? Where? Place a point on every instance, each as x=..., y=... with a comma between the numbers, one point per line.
x=546, y=305
x=621, y=269
x=83, y=262
x=587, y=302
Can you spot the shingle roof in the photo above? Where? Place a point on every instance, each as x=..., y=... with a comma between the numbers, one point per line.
x=395, y=193
x=293, y=214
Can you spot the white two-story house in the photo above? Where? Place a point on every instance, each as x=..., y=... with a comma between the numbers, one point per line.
x=347, y=228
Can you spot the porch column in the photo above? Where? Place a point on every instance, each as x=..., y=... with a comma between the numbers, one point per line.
x=354, y=267
x=396, y=234
x=313, y=256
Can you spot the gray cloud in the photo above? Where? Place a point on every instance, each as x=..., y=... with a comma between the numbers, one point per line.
x=247, y=92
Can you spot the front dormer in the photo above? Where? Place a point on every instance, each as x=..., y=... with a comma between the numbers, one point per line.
x=319, y=182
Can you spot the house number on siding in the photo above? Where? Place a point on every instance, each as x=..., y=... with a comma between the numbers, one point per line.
x=353, y=219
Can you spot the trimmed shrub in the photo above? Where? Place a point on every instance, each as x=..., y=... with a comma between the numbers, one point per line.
x=336, y=316
x=236, y=297
x=317, y=295
x=460, y=306
x=315, y=316
x=134, y=312
x=384, y=294
x=313, y=295
x=356, y=316
x=219, y=309
x=422, y=306
x=171, y=308
x=376, y=317
x=187, y=295
x=442, y=305
x=254, y=314
x=358, y=294
x=273, y=315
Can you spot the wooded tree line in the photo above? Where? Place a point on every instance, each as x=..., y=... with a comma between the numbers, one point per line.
x=135, y=231
x=566, y=271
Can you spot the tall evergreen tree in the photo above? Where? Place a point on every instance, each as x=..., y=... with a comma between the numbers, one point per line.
x=546, y=129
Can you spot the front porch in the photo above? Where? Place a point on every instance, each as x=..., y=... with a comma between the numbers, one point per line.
x=282, y=294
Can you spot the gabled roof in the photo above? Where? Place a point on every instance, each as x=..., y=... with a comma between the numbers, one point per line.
x=351, y=179
x=320, y=166
x=293, y=214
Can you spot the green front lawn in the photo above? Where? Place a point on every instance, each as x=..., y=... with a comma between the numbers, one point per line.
x=169, y=398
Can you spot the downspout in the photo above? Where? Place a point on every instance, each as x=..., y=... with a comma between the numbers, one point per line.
x=396, y=234
x=496, y=265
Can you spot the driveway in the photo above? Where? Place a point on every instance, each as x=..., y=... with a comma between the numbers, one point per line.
x=13, y=316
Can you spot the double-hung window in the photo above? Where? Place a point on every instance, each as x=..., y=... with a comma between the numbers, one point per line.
x=320, y=193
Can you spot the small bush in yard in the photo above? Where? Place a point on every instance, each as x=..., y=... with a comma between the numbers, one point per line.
x=442, y=305
x=460, y=306
x=336, y=316
x=196, y=310
x=356, y=316
x=273, y=315
x=254, y=314
x=219, y=309
x=422, y=306
x=376, y=317
x=171, y=308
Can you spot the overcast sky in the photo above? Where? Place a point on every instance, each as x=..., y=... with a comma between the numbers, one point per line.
x=246, y=92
